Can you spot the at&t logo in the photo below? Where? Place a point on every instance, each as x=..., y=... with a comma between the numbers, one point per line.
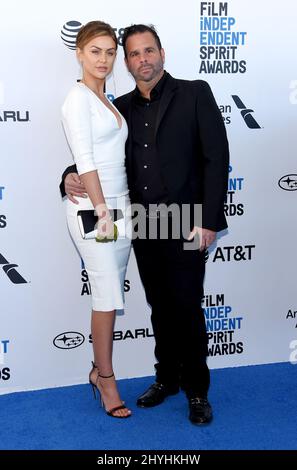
x=69, y=32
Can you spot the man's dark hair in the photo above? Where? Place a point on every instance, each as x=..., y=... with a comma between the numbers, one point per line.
x=140, y=28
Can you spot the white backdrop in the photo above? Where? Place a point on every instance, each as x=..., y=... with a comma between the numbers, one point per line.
x=250, y=302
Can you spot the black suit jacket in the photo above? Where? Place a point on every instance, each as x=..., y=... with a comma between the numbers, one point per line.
x=192, y=147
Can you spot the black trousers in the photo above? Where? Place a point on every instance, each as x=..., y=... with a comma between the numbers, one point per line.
x=173, y=281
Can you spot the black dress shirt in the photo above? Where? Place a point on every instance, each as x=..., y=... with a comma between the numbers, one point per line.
x=149, y=187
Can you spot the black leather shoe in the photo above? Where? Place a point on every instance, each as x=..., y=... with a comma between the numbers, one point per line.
x=155, y=395
x=200, y=410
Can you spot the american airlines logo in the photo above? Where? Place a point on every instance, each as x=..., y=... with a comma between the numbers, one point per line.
x=246, y=113
x=11, y=272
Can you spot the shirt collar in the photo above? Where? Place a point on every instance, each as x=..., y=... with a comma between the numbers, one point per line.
x=156, y=91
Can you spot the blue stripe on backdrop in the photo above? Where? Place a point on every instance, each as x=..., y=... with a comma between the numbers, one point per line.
x=254, y=408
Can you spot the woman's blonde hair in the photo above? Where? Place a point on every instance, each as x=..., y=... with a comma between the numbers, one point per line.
x=92, y=30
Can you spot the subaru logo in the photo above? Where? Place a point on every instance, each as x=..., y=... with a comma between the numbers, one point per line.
x=69, y=340
x=288, y=182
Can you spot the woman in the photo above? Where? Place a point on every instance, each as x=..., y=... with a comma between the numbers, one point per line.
x=96, y=133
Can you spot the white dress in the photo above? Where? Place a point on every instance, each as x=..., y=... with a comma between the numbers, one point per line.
x=98, y=143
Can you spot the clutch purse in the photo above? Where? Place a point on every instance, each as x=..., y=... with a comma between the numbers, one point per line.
x=87, y=219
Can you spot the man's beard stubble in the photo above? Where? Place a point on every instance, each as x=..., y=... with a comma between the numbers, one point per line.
x=156, y=69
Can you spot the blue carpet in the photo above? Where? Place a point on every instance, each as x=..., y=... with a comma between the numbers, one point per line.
x=254, y=408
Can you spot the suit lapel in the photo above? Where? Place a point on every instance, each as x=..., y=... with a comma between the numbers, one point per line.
x=129, y=123
x=129, y=150
x=166, y=97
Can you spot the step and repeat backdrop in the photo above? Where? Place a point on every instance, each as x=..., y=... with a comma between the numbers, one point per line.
x=246, y=51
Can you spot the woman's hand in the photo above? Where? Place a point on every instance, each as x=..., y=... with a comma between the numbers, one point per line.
x=106, y=229
x=74, y=187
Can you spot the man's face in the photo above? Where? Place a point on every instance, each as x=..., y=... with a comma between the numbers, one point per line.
x=144, y=60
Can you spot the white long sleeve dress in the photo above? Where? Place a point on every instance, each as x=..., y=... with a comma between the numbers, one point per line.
x=98, y=143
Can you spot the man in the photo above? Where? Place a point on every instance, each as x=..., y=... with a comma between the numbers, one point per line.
x=177, y=152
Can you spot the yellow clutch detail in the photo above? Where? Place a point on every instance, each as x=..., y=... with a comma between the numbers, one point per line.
x=100, y=239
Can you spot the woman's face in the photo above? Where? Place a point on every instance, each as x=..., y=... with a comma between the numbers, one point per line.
x=97, y=57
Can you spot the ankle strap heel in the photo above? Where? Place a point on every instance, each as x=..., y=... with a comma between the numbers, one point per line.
x=96, y=389
x=99, y=375
x=105, y=376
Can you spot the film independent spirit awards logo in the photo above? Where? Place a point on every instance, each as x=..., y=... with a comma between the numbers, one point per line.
x=69, y=32
x=69, y=340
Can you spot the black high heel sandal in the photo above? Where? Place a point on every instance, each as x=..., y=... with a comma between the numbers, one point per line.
x=95, y=387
